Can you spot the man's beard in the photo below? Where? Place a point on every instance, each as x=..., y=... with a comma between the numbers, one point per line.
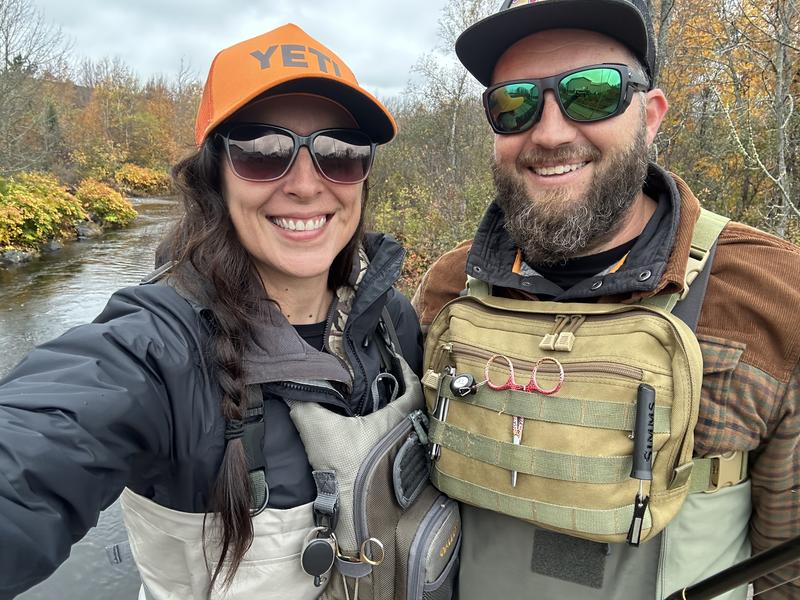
x=549, y=226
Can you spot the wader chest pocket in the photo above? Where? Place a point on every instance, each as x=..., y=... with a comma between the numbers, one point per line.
x=433, y=557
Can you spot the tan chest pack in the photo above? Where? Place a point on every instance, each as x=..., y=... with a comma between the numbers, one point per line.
x=544, y=411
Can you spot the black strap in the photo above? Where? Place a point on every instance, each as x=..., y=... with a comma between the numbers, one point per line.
x=159, y=273
x=388, y=324
x=688, y=309
x=252, y=430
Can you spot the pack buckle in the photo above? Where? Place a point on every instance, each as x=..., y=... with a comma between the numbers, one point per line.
x=727, y=469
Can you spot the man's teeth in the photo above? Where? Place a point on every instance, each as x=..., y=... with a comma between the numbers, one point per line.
x=558, y=169
x=299, y=224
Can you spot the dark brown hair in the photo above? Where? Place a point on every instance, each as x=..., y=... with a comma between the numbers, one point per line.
x=213, y=266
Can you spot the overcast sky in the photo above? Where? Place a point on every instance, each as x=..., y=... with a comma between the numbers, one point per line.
x=380, y=41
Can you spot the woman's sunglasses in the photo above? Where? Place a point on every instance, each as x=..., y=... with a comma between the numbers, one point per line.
x=262, y=152
x=585, y=95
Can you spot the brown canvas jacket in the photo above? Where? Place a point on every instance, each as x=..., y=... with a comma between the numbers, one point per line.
x=749, y=333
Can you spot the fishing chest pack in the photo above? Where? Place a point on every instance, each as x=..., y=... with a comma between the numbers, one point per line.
x=578, y=418
x=396, y=536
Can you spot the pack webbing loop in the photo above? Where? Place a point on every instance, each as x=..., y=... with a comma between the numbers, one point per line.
x=559, y=409
x=613, y=521
x=528, y=460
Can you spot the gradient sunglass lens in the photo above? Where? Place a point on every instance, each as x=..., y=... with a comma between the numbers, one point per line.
x=343, y=156
x=592, y=94
x=265, y=153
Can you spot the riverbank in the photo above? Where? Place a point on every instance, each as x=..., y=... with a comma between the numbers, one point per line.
x=40, y=300
x=38, y=215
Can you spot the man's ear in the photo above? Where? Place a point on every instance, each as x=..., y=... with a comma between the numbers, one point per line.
x=655, y=108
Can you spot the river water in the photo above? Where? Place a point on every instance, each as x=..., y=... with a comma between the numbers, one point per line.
x=40, y=300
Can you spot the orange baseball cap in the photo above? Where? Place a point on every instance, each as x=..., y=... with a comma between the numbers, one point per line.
x=286, y=60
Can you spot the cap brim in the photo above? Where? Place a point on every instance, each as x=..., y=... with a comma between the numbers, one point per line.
x=481, y=46
x=371, y=117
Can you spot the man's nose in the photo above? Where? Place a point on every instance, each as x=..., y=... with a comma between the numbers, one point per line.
x=553, y=129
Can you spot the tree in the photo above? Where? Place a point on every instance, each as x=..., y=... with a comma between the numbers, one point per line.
x=29, y=47
x=436, y=176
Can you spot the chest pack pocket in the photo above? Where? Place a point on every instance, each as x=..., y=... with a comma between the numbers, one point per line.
x=576, y=417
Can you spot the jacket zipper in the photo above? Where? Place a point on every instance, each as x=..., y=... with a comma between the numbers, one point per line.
x=329, y=395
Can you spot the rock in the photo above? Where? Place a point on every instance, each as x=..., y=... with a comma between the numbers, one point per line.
x=52, y=246
x=15, y=257
x=87, y=229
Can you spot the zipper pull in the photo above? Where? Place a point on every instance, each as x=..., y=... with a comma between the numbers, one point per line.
x=445, y=350
x=635, y=530
x=566, y=339
x=420, y=424
x=642, y=456
x=549, y=340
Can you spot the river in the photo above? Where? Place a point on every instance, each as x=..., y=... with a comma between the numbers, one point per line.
x=40, y=300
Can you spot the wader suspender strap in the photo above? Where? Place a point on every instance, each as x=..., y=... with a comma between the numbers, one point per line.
x=327, y=501
x=386, y=327
x=250, y=428
x=253, y=441
x=686, y=305
x=326, y=504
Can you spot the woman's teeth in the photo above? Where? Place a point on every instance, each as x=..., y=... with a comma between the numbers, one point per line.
x=299, y=224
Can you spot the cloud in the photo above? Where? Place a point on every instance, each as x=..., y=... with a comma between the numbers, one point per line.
x=380, y=42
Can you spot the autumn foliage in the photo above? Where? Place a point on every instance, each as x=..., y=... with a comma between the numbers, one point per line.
x=134, y=180
x=35, y=208
x=104, y=204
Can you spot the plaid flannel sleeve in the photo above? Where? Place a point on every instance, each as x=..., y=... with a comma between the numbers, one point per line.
x=745, y=408
x=775, y=474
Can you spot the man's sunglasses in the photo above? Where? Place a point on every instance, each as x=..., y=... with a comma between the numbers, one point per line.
x=585, y=95
x=262, y=152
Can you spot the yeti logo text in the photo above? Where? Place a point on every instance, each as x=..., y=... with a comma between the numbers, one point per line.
x=295, y=55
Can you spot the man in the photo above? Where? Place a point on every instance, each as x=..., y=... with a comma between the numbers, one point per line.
x=580, y=216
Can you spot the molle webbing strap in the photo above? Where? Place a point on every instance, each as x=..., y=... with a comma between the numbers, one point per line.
x=532, y=461
x=613, y=521
x=557, y=409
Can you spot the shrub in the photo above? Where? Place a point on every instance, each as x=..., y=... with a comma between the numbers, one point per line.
x=35, y=208
x=106, y=206
x=135, y=180
x=97, y=160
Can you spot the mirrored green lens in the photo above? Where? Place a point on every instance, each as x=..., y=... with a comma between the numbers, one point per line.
x=592, y=94
x=513, y=107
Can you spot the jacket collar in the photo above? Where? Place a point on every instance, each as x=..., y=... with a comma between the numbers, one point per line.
x=278, y=353
x=654, y=265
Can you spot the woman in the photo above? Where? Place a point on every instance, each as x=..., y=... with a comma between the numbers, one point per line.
x=271, y=295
